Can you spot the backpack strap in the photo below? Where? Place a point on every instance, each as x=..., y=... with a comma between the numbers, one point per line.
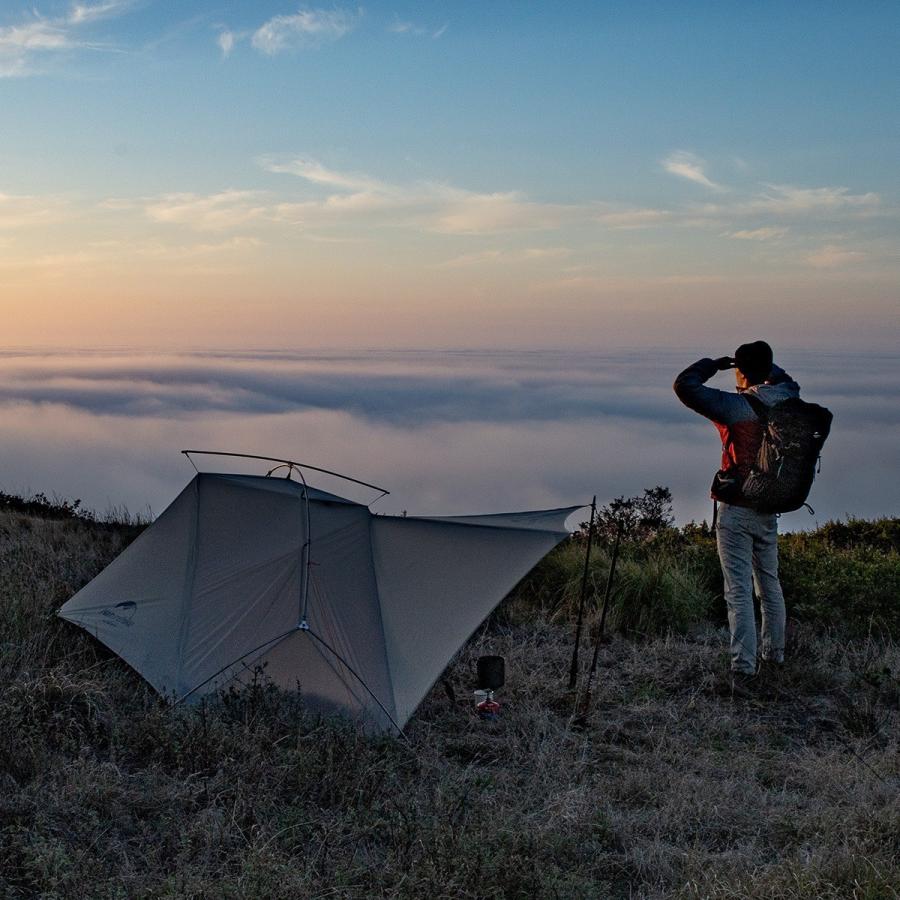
x=760, y=408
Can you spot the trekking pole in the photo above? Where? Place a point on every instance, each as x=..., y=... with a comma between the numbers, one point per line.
x=581, y=718
x=573, y=668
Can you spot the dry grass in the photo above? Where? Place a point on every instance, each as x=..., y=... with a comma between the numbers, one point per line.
x=670, y=790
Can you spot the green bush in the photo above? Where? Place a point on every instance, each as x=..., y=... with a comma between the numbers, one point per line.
x=665, y=584
x=844, y=574
x=857, y=587
x=659, y=593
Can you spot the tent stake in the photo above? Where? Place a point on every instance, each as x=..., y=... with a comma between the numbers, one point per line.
x=573, y=668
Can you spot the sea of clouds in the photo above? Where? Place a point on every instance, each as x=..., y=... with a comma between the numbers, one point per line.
x=447, y=432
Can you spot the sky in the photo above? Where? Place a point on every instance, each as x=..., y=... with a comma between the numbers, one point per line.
x=190, y=174
x=458, y=249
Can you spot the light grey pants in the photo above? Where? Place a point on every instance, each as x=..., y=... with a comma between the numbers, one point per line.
x=748, y=551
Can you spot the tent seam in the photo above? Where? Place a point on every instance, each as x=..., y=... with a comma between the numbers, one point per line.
x=387, y=655
x=188, y=588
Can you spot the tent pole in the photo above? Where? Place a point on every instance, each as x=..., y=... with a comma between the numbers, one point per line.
x=573, y=668
x=600, y=628
x=305, y=561
x=291, y=462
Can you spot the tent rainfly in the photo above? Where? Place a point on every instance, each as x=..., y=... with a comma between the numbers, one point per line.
x=362, y=612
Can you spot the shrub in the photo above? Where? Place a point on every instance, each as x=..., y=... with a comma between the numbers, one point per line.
x=659, y=593
x=844, y=574
x=856, y=588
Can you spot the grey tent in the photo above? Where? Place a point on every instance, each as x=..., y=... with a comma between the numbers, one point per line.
x=361, y=611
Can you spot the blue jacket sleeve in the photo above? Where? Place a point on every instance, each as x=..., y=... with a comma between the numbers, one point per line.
x=723, y=407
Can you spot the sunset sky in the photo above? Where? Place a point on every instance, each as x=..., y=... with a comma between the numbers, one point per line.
x=191, y=173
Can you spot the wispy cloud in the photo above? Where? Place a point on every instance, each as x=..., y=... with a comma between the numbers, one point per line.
x=458, y=211
x=211, y=212
x=399, y=26
x=603, y=284
x=226, y=41
x=404, y=26
x=618, y=218
x=52, y=265
x=100, y=255
x=305, y=28
x=527, y=254
x=182, y=251
x=19, y=44
x=788, y=199
x=313, y=171
x=326, y=197
x=81, y=13
x=687, y=165
x=757, y=234
x=833, y=256
x=433, y=205
x=23, y=211
x=39, y=35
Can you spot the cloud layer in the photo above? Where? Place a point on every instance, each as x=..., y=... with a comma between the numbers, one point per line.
x=447, y=432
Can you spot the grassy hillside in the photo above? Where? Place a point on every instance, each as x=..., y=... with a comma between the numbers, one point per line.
x=671, y=789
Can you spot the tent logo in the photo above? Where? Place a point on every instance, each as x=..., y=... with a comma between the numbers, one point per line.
x=121, y=613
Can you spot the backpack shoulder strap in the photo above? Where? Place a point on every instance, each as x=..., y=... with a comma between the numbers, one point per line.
x=760, y=408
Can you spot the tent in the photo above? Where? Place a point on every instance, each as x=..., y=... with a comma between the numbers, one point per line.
x=361, y=611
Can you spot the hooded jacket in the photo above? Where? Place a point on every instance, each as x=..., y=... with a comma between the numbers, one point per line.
x=737, y=423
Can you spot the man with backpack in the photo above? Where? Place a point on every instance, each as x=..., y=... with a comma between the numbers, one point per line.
x=770, y=441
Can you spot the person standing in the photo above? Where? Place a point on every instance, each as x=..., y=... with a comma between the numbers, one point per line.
x=747, y=540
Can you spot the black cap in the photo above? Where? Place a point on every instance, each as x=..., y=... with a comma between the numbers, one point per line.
x=754, y=360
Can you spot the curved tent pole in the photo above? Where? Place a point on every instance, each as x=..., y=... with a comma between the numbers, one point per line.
x=291, y=466
x=288, y=462
x=305, y=560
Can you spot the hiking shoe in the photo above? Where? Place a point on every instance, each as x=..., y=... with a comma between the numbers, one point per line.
x=744, y=686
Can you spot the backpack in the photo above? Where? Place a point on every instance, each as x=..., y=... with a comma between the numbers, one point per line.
x=793, y=434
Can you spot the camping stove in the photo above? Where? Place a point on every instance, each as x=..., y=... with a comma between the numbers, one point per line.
x=491, y=677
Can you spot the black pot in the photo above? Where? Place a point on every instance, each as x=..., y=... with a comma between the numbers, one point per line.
x=491, y=672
